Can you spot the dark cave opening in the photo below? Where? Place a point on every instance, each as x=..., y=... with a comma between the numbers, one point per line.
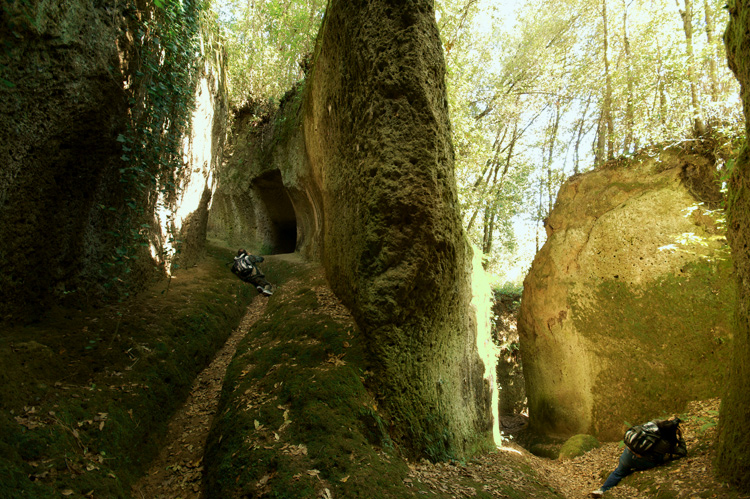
x=279, y=230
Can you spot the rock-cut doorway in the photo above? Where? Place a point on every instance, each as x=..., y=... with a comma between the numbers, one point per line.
x=279, y=229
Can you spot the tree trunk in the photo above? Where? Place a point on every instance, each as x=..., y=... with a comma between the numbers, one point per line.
x=629, y=109
x=687, y=23
x=607, y=106
x=710, y=29
x=599, y=142
x=552, y=140
x=579, y=135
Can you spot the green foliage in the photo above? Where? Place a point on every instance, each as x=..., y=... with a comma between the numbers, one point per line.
x=526, y=92
x=268, y=43
x=162, y=103
x=508, y=289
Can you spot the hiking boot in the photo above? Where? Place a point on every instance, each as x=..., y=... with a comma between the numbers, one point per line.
x=597, y=493
x=259, y=288
x=267, y=290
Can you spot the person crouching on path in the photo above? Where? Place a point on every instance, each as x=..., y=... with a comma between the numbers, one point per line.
x=646, y=447
x=246, y=267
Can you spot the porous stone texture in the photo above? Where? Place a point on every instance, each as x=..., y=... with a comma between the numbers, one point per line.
x=377, y=136
x=266, y=199
x=61, y=109
x=360, y=162
x=66, y=95
x=733, y=456
x=626, y=311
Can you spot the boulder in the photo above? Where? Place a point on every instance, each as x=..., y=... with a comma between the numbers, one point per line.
x=626, y=311
x=577, y=445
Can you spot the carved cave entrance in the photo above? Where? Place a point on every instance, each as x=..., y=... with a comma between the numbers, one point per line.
x=279, y=231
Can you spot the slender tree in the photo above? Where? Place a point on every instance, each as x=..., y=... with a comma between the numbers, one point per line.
x=629, y=104
x=687, y=22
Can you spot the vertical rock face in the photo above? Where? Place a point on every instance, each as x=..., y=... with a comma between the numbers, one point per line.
x=626, y=311
x=62, y=109
x=266, y=199
x=377, y=137
x=66, y=105
x=733, y=457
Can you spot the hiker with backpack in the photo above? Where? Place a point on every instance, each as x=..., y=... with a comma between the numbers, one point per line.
x=245, y=266
x=647, y=446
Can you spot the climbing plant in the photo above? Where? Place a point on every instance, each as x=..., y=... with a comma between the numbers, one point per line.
x=162, y=86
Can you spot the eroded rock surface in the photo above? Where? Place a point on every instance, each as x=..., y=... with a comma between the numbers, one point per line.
x=733, y=450
x=362, y=159
x=626, y=311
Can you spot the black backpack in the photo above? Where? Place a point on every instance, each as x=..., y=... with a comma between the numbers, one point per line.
x=644, y=440
x=242, y=267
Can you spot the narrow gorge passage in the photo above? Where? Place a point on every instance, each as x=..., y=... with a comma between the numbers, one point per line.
x=178, y=470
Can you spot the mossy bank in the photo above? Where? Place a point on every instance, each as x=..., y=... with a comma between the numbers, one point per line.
x=85, y=395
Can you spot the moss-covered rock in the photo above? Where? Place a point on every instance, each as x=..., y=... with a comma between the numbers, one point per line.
x=626, y=311
x=84, y=404
x=577, y=445
x=356, y=171
x=733, y=456
x=378, y=138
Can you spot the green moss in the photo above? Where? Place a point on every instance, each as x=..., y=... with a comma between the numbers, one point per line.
x=577, y=445
x=673, y=340
x=300, y=374
x=92, y=391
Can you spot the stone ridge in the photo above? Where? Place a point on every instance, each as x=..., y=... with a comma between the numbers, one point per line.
x=378, y=140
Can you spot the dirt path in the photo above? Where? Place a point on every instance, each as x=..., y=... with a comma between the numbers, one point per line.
x=178, y=471
x=689, y=478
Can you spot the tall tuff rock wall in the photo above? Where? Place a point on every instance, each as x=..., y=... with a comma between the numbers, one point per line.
x=626, y=311
x=733, y=456
x=358, y=165
x=377, y=137
x=67, y=88
x=61, y=110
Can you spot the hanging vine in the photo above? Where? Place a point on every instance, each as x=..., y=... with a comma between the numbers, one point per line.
x=162, y=100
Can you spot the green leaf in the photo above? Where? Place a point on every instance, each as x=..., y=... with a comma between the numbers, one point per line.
x=6, y=83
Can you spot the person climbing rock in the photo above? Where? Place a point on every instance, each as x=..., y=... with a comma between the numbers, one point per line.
x=647, y=446
x=245, y=266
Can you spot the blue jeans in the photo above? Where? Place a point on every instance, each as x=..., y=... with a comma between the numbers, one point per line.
x=629, y=463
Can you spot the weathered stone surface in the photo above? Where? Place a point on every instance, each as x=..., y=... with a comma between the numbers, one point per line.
x=66, y=95
x=363, y=154
x=626, y=311
x=61, y=111
x=378, y=139
x=733, y=458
